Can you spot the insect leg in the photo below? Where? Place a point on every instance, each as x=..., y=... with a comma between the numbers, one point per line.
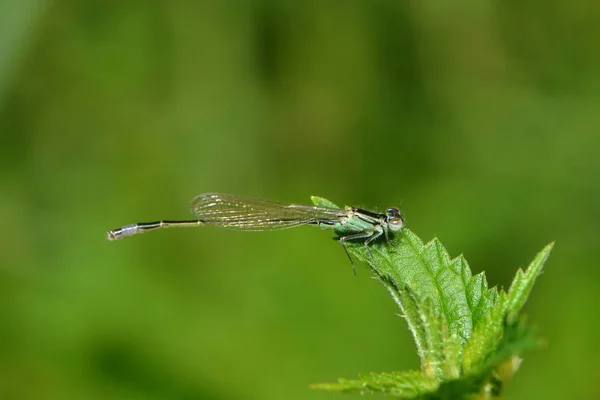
x=375, y=234
x=361, y=235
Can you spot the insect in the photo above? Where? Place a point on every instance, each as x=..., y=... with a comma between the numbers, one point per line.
x=249, y=214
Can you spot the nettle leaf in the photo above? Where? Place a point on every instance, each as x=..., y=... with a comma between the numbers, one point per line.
x=523, y=282
x=408, y=384
x=467, y=335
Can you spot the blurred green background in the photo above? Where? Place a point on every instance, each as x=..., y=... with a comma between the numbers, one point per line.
x=481, y=119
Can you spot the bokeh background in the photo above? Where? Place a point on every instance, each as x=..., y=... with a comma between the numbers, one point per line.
x=479, y=118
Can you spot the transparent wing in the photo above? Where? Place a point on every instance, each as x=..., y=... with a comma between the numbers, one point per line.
x=245, y=213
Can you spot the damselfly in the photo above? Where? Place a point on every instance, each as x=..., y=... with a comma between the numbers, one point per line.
x=249, y=214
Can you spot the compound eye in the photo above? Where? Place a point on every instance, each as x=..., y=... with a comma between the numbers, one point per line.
x=394, y=218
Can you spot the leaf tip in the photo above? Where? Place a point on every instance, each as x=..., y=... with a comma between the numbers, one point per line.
x=548, y=248
x=322, y=202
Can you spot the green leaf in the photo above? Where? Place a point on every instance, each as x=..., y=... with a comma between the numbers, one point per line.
x=469, y=337
x=523, y=281
x=485, y=338
x=406, y=385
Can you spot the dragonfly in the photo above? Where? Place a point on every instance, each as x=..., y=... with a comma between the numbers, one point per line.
x=250, y=214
